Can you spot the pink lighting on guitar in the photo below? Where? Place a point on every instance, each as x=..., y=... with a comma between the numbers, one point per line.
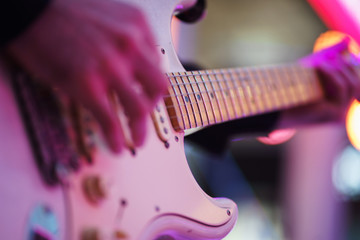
x=352, y=124
x=278, y=136
x=343, y=16
x=339, y=15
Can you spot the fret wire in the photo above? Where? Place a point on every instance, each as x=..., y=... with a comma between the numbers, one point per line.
x=210, y=96
x=238, y=104
x=223, y=94
x=299, y=83
x=293, y=83
x=184, y=101
x=201, y=92
x=265, y=86
x=190, y=97
x=223, y=97
x=248, y=115
x=183, y=106
x=289, y=84
x=258, y=79
x=309, y=87
x=171, y=106
x=258, y=96
x=203, y=99
x=309, y=79
x=314, y=81
x=216, y=96
x=196, y=99
x=196, y=92
x=292, y=75
x=241, y=79
x=275, y=89
x=192, y=103
x=283, y=87
x=173, y=87
x=240, y=91
x=277, y=79
x=229, y=90
x=264, y=67
x=249, y=90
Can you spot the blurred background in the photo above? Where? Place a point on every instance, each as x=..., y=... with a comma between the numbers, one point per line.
x=306, y=188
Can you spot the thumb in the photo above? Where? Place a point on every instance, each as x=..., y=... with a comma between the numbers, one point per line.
x=339, y=47
x=325, y=54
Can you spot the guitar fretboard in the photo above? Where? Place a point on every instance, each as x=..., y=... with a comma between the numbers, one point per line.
x=201, y=98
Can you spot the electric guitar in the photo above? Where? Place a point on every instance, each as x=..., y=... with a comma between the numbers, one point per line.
x=59, y=181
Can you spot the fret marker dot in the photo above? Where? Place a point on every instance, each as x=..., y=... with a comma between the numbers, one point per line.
x=227, y=93
x=186, y=99
x=211, y=95
x=198, y=97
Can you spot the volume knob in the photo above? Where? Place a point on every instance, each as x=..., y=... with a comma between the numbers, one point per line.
x=94, y=188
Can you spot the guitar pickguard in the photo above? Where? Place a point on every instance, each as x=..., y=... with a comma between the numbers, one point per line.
x=145, y=194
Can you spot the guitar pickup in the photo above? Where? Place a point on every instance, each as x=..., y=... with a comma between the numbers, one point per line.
x=160, y=120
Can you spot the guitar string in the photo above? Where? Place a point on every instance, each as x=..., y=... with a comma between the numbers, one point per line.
x=241, y=70
x=274, y=84
x=237, y=78
x=198, y=94
x=270, y=87
x=251, y=111
x=244, y=70
x=228, y=118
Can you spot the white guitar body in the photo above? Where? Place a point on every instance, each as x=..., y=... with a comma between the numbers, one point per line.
x=149, y=195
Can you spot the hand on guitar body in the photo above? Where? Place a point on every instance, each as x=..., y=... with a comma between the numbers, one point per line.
x=336, y=68
x=89, y=48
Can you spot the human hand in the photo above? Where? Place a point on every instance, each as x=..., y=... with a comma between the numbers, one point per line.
x=341, y=84
x=89, y=48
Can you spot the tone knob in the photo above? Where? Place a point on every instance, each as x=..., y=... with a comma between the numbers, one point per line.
x=94, y=188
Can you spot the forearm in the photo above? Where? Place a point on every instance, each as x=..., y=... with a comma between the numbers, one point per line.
x=311, y=114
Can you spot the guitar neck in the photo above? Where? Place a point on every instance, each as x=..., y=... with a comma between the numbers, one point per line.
x=202, y=98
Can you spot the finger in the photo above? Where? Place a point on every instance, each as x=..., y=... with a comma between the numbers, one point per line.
x=95, y=98
x=146, y=69
x=326, y=54
x=130, y=30
x=145, y=66
x=132, y=40
x=148, y=34
x=350, y=76
x=152, y=80
x=135, y=105
x=332, y=81
x=135, y=109
x=340, y=47
x=146, y=37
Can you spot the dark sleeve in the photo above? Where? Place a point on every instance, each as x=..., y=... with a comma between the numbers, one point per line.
x=215, y=138
x=16, y=16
